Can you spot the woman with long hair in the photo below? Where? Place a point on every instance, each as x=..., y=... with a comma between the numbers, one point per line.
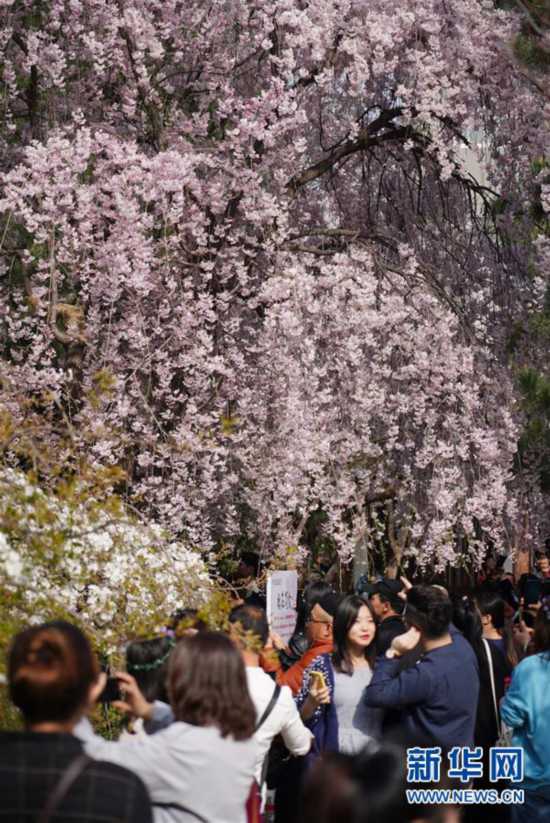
x=496, y=629
x=54, y=679
x=335, y=711
x=494, y=668
x=526, y=710
x=200, y=767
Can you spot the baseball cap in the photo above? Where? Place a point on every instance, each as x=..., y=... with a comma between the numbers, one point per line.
x=388, y=588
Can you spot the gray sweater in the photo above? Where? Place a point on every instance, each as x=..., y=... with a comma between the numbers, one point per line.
x=357, y=722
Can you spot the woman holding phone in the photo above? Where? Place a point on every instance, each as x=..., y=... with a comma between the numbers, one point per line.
x=201, y=767
x=330, y=700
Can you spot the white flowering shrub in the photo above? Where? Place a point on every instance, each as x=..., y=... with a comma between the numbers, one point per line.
x=89, y=561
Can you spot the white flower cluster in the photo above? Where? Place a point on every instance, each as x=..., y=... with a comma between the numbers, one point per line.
x=115, y=575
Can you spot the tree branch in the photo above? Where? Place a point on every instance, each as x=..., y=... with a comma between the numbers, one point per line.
x=367, y=137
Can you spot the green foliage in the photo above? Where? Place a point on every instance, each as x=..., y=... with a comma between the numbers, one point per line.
x=529, y=52
x=71, y=549
x=535, y=390
x=532, y=51
x=10, y=719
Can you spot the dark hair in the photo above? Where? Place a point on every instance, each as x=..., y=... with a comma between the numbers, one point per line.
x=346, y=615
x=329, y=603
x=189, y=618
x=429, y=609
x=50, y=671
x=393, y=601
x=330, y=793
x=541, y=636
x=311, y=595
x=313, y=592
x=365, y=788
x=382, y=772
x=388, y=596
x=208, y=687
x=147, y=661
x=251, y=559
x=492, y=604
x=467, y=619
x=253, y=622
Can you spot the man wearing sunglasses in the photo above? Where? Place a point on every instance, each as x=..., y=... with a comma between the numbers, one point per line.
x=319, y=635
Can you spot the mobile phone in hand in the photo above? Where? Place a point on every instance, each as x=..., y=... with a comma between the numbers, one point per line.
x=318, y=679
x=111, y=692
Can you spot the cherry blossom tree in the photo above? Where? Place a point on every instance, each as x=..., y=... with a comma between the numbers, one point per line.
x=244, y=260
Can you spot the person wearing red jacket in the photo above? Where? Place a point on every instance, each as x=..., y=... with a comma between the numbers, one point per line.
x=319, y=634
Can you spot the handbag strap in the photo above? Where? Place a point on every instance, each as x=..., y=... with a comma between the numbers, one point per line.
x=61, y=788
x=492, y=676
x=270, y=706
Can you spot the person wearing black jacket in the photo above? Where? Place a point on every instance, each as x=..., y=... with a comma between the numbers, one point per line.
x=53, y=678
x=387, y=607
x=467, y=619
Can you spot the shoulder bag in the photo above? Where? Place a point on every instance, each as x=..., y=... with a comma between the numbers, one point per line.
x=504, y=738
x=270, y=706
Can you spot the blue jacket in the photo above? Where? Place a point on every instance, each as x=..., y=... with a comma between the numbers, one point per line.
x=526, y=709
x=438, y=695
x=324, y=723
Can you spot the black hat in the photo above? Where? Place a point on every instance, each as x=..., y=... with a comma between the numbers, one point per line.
x=388, y=588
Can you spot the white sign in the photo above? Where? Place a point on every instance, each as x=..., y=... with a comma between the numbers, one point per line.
x=282, y=594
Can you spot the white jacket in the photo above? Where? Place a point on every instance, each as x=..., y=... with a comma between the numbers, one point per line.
x=191, y=766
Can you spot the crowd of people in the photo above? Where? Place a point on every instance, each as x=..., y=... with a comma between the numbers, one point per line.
x=219, y=720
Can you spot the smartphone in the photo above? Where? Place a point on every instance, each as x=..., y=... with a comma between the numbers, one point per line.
x=318, y=679
x=111, y=692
